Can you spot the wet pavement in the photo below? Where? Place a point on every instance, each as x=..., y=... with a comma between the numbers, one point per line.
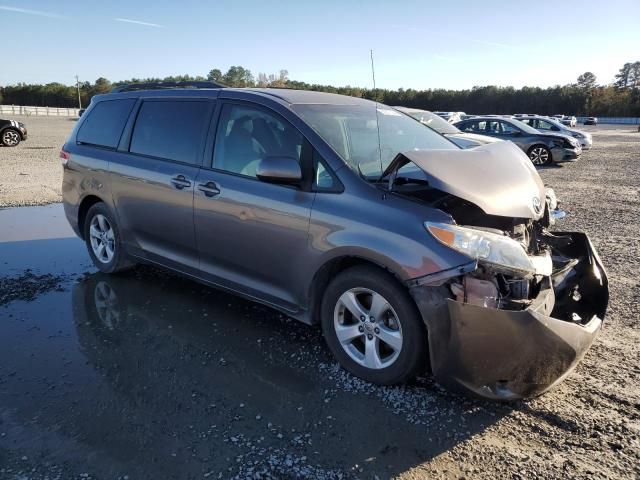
x=148, y=375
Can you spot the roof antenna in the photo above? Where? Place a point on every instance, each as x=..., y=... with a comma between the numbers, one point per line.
x=375, y=93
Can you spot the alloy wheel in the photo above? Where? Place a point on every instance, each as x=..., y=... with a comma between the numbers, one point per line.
x=368, y=328
x=539, y=156
x=102, y=238
x=10, y=138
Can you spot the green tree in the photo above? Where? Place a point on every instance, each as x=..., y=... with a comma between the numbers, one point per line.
x=238, y=76
x=587, y=81
x=214, y=75
x=628, y=76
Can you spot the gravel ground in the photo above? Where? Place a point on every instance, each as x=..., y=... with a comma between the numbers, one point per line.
x=180, y=381
x=31, y=172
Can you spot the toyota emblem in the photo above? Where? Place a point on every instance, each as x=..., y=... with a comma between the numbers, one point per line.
x=537, y=206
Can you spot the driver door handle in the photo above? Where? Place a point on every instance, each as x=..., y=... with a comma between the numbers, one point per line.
x=210, y=189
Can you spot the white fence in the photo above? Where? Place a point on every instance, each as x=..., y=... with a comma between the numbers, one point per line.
x=39, y=111
x=615, y=120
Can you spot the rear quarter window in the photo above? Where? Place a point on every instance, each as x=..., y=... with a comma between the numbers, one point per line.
x=104, y=123
x=173, y=130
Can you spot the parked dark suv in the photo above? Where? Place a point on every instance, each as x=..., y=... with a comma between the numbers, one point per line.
x=12, y=132
x=409, y=251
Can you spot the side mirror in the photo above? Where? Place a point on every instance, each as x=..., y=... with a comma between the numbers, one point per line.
x=284, y=170
x=516, y=133
x=555, y=129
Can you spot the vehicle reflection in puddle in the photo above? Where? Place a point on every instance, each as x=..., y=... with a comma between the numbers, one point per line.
x=157, y=323
x=154, y=376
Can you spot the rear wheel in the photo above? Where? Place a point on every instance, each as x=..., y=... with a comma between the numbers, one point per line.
x=540, y=155
x=10, y=137
x=102, y=236
x=373, y=327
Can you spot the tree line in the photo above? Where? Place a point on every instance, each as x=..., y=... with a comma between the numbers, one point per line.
x=621, y=98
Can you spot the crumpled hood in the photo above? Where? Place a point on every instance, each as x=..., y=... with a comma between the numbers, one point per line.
x=497, y=177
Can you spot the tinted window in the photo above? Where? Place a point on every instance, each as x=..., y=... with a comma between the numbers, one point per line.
x=103, y=125
x=246, y=135
x=170, y=129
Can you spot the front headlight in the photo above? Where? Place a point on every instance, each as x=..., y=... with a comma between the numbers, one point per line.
x=499, y=251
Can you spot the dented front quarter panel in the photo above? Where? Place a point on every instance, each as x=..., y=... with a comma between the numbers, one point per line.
x=507, y=354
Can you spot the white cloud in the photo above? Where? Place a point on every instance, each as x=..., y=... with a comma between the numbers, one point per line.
x=139, y=22
x=26, y=11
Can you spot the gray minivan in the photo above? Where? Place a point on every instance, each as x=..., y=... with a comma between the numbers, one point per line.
x=413, y=254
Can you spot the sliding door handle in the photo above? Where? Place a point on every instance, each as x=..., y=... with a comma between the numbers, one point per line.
x=210, y=189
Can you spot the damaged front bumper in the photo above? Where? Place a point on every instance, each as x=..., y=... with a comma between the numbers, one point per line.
x=507, y=354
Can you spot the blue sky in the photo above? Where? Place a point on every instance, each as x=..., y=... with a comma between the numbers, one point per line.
x=416, y=44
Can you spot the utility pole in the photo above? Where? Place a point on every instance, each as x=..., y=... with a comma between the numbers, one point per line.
x=78, y=87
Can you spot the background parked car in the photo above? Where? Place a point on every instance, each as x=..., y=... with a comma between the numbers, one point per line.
x=590, y=121
x=570, y=121
x=440, y=125
x=12, y=132
x=542, y=148
x=546, y=124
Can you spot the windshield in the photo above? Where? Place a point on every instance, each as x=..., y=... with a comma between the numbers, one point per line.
x=353, y=132
x=523, y=126
x=432, y=120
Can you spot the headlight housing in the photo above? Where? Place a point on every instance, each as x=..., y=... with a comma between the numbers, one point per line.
x=499, y=251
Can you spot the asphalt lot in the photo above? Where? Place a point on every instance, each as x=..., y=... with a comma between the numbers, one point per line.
x=147, y=375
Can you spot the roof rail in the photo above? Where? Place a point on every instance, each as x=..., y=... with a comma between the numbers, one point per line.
x=130, y=87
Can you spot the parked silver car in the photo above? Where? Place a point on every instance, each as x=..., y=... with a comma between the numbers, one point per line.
x=569, y=121
x=542, y=148
x=440, y=125
x=546, y=124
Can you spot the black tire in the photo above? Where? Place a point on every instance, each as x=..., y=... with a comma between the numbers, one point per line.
x=119, y=261
x=536, y=154
x=10, y=137
x=412, y=357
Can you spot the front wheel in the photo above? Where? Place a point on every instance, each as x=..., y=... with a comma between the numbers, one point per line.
x=373, y=327
x=540, y=155
x=102, y=236
x=10, y=137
